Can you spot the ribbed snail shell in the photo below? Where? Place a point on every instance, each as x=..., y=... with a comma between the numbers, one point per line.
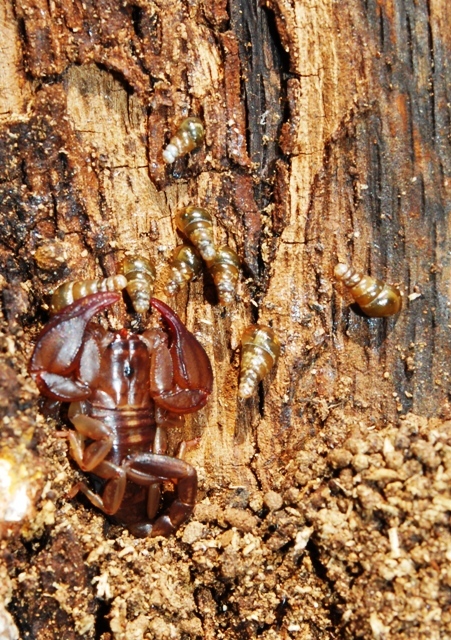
x=189, y=136
x=259, y=353
x=225, y=271
x=140, y=274
x=185, y=265
x=71, y=291
x=376, y=298
x=196, y=224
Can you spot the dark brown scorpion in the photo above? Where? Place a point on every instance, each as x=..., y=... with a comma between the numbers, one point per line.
x=125, y=390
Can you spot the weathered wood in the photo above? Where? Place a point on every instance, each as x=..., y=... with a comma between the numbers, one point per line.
x=324, y=500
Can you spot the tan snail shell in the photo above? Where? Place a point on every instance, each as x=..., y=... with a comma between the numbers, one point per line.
x=259, y=353
x=225, y=271
x=140, y=274
x=196, y=224
x=186, y=264
x=71, y=291
x=189, y=136
x=376, y=298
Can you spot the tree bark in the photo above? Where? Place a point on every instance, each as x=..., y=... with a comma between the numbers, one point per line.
x=324, y=500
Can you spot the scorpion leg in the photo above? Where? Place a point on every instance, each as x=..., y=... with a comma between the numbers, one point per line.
x=92, y=458
x=89, y=457
x=164, y=421
x=113, y=492
x=150, y=468
x=186, y=445
x=160, y=444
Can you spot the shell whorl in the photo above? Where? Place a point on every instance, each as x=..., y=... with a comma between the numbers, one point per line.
x=186, y=264
x=140, y=275
x=189, y=136
x=225, y=271
x=76, y=289
x=260, y=351
x=197, y=225
x=376, y=298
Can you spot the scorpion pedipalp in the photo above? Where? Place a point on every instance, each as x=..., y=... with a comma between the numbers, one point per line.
x=57, y=352
x=192, y=371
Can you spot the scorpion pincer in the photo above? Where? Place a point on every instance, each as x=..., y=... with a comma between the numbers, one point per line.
x=125, y=390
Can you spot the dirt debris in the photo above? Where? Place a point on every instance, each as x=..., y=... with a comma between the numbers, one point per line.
x=354, y=543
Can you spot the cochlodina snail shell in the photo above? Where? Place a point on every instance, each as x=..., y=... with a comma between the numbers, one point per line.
x=376, y=298
x=186, y=264
x=71, y=291
x=140, y=274
x=259, y=353
x=196, y=224
x=225, y=271
x=189, y=136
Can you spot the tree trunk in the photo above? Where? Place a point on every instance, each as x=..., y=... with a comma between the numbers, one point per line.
x=324, y=500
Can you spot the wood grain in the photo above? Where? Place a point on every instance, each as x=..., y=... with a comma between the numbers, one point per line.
x=327, y=139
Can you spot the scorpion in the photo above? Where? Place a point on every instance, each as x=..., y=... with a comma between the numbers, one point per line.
x=125, y=390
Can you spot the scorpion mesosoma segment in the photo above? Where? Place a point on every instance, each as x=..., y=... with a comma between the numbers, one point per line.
x=125, y=390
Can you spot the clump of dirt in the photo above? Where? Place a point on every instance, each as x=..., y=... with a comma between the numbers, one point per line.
x=354, y=543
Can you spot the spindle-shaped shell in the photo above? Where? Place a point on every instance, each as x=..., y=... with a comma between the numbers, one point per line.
x=225, y=271
x=376, y=298
x=189, y=136
x=260, y=349
x=185, y=265
x=140, y=274
x=196, y=224
x=71, y=291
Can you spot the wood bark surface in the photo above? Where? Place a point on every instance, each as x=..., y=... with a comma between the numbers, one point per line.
x=324, y=501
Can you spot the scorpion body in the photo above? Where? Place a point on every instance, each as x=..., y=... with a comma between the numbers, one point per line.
x=125, y=390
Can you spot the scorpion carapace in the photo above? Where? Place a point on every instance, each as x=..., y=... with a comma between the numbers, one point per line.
x=125, y=390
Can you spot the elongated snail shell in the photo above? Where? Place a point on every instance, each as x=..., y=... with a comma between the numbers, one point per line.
x=140, y=274
x=71, y=291
x=376, y=298
x=186, y=264
x=225, y=271
x=259, y=353
x=189, y=136
x=196, y=224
